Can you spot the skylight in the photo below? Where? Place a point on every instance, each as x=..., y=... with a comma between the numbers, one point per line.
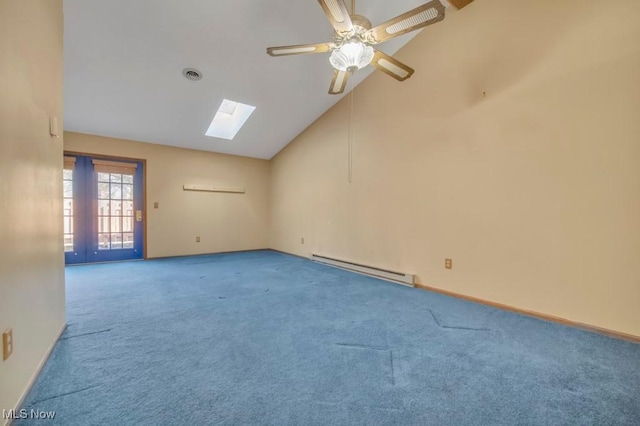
x=229, y=119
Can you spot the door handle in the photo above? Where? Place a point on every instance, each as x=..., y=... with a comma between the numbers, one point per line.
x=138, y=215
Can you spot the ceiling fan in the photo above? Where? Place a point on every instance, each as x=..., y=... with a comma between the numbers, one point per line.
x=351, y=47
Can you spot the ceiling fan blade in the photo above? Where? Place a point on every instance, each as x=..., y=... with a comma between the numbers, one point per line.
x=421, y=16
x=391, y=66
x=338, y=15
x=460, y=3
x=339, y=82
x=300, y=49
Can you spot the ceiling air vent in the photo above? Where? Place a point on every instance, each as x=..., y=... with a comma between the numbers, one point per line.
x=192, y=74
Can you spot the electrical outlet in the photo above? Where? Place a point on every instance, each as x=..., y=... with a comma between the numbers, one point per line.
x=7, y=344
x=302, y=240
x=448, y=263
x=197, y=239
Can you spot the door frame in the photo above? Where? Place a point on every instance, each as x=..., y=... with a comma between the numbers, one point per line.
x=144, y=187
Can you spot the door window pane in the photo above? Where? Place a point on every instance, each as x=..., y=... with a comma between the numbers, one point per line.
x=103, y=207
x=128, y=240
x=67, y=204
x=68, y=187
x=127, y=208
x=68, y=225
x=103, y=191
x=116, y=241
x=68, y=242
x=116, y=224
x=116, y=191
x=127, y=192
x=116, y=208
x=127, y=224
x=103, y=224
x=103, y=242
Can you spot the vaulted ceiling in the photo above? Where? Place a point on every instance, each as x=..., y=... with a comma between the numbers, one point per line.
x=123, y=64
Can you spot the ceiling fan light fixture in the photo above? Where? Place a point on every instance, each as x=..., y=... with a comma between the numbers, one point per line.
x=354, y=37
x=351, y=56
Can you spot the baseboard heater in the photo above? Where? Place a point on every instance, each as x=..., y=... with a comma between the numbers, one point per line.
x=396, y=277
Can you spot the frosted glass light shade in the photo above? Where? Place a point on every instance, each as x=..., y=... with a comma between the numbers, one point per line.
x=351, y=56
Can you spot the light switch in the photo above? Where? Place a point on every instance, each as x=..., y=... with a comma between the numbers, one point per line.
x=53, y=126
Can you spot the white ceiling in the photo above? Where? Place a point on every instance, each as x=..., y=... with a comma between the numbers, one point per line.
x=123, y=61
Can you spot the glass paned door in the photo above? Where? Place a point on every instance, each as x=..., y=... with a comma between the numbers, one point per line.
x=106, y=210
x=115, y=211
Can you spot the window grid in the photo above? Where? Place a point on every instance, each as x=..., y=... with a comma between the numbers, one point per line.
x=115, y=211
x=67, y=206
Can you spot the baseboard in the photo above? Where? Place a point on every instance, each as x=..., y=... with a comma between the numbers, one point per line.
x=35, y=375
x=538, y=315
x=177, y=256
x=289, y=254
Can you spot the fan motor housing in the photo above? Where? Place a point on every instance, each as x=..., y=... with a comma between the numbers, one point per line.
x=360, y=21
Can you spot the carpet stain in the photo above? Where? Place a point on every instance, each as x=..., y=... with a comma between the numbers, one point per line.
x=392, y=377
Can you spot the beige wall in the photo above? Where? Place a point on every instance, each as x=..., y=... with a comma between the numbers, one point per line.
x=533, y=190
x=224, y=222
x=31, y=258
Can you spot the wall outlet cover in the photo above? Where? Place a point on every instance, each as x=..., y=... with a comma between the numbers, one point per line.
x=7, y=344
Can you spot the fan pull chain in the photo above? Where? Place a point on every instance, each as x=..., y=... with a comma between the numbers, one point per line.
x=351, y=101
x=350, y=138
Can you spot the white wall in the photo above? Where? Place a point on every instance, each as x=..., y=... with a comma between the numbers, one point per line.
x=31, y=254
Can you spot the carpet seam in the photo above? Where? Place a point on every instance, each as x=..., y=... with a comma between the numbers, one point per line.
x=455, y=327
x=63, y=394
x=85, y=334
x=359, y=346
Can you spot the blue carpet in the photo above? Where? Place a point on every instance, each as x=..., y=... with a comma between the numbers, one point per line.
x=264, y=338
